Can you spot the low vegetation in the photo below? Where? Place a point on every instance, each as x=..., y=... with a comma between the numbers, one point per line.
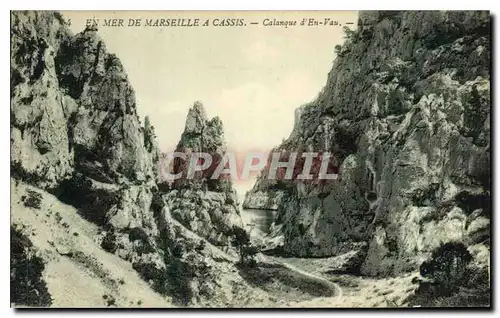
x=32, y=199
x=450, y=280
x=241, y=241
x=26, y=284
x=283, y=283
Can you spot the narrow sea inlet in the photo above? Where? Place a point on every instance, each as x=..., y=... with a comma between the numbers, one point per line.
x=257, y=222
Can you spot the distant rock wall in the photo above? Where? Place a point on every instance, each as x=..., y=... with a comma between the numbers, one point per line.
x=265, y=200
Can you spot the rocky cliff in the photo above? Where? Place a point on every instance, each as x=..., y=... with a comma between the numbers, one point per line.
x=75, y=135
x=74, y=127
x=208, y=207
x=265, y=200
x=406, y=110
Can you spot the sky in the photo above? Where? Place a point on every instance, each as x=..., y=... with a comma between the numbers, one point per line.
x=253, y=77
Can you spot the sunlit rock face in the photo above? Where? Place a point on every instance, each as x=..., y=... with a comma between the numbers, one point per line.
x=406, y=108
x=39, y=139
x=72, y=106
x=206, y=206
x=75, y=132
x=75, y=129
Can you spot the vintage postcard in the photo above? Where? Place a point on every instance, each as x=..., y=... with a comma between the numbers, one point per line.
x=250, y=159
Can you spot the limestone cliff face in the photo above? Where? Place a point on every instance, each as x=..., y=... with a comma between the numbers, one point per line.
x=39, y=139
x=74, y=127
x=206, y=206
x=406, y=109
x=75, y=133
x=71, y=101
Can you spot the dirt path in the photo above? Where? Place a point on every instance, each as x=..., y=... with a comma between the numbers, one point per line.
x=337, y=298
x=351, y=291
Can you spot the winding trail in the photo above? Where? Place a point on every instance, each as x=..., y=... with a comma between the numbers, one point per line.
x=256, y=221
x=338, y=293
